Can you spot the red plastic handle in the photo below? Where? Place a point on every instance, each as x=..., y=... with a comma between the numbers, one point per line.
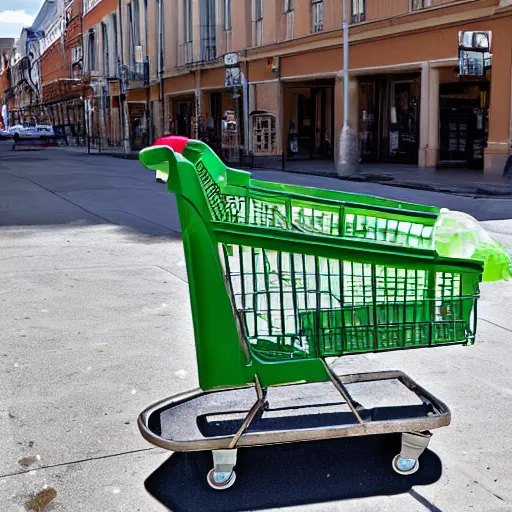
x=175, y=142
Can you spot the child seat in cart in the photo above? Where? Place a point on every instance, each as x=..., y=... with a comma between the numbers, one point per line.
x=283, y=277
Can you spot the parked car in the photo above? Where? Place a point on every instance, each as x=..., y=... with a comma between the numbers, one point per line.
x=40, y=131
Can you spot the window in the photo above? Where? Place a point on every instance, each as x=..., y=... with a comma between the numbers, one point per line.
x=317, y=15
x=135, y=22
x=258, y=14
x=76, y=54
x=358, y=10
x=227, y=14
x=287, y=6
x=208, y=30
x=91, y=50
x=114, y=46
x=106, y=53
x=188, y=21
x=89, y=4
x=257, y=22
x=420, y=4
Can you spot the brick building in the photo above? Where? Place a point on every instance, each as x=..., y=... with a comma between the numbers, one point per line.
x=61, y=69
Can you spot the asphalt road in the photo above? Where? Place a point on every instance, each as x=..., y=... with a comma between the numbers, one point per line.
x=96, y=325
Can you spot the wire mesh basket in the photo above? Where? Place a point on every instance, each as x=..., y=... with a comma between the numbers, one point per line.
x=281, y=274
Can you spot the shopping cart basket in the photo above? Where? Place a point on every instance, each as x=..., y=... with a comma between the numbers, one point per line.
x=282, y=277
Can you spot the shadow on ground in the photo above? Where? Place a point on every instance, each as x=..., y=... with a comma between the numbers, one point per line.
x=291, y=475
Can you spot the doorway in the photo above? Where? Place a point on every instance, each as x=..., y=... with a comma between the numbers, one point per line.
x=310, y=131
x=180, y=122
x=463, y=116
x=389, y=119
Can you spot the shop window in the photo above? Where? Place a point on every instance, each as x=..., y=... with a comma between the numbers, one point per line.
x=358, y=11
x=416, y=5
x=263, y=133
x=317, y=15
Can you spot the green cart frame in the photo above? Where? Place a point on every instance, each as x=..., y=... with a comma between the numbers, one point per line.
x=284, y=277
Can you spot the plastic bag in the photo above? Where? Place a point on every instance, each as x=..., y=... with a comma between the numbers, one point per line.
x=458, y=235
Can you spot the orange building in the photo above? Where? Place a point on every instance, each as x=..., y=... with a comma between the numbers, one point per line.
x=406, y=99
x=418, y=94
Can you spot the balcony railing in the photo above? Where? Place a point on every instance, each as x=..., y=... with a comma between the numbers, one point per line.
x=138, y=72
x=186, y=54
x=208, y=49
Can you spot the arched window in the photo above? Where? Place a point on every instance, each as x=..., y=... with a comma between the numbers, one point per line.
x=106, y=52
x=91, y=50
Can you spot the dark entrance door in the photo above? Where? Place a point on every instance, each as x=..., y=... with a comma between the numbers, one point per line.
x=403, y=130
x=389, y=119
x=463, y=124
x=311, y=130
x=181, y=123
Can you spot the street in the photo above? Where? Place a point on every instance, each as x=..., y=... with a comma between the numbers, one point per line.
x=96, y=326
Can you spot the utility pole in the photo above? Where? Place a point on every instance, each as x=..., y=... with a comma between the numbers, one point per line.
x=160, y=49
x=348, y=150
x=123, y=111
x=345, y=64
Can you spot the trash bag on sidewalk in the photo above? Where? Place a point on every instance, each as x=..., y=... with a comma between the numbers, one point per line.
x=458, y=235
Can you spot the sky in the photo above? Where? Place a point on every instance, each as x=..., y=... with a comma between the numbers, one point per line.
x=16, y=14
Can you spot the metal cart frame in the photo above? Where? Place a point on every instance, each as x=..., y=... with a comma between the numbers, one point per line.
x=326, y=274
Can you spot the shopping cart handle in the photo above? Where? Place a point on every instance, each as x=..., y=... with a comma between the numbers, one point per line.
x=175, y=142
x=156, y=158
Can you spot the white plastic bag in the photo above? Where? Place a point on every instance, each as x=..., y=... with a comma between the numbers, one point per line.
x=458, y=235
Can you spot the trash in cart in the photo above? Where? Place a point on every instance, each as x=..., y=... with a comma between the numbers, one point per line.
x=283, y=277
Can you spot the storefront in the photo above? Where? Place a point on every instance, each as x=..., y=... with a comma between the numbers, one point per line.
x=463, y=120
x=137, y=124
x=222, y=123
x=182, y=113
x=309, y=119
x=389, y=118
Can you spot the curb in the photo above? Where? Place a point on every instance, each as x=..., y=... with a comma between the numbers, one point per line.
x=390, y=181
x=477, y=191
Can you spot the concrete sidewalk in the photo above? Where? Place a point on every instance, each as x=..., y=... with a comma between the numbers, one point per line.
x=453, y=181
x=96, y=325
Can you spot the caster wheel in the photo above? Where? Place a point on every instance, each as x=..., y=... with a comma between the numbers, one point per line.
x=405, y=466
x=220, y=481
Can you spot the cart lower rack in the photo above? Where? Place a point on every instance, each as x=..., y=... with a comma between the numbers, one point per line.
x=281, y=278
x=223, y=421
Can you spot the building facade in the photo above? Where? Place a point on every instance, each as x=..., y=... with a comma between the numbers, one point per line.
x=417, y=93
x=63, y=87
x=406, y=99
x=6, y=48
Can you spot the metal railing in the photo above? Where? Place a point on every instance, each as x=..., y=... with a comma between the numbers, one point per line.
x=138, y=72
x=186, y=54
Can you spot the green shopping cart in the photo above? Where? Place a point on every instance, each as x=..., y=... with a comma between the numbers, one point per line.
x=281, y=279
